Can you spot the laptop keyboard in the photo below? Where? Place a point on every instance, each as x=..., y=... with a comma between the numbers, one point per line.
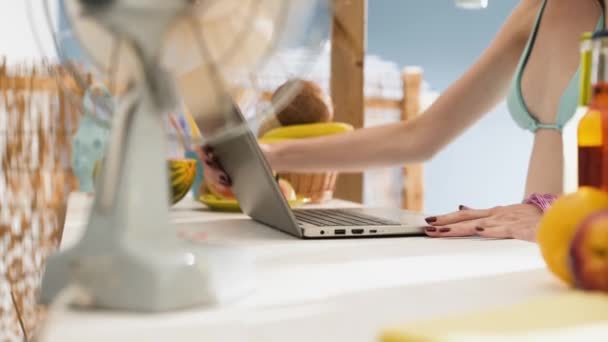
x=339, y=218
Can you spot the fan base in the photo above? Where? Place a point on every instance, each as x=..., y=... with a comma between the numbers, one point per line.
x=149, y=276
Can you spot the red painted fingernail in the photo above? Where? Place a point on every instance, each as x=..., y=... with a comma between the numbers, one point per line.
x=430, y=220
x=430, y=229
x=444, y=230
x=479, y=229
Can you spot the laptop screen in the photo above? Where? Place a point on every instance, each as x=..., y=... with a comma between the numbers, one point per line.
x=254, y=185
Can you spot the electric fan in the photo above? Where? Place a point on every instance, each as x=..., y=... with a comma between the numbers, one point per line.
x=161, y=53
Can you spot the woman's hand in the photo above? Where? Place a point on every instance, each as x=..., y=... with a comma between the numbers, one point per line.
x=518, y=221
x=213, y=171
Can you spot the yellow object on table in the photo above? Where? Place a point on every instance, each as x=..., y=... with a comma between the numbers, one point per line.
x=308, y=130
x=575, y=316
x=231, y=205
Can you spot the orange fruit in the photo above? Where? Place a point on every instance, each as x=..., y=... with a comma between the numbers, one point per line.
x=287, y=190
x=560, y=223
x=589, y=253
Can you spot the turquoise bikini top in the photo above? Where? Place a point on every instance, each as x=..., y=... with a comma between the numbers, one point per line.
x=568, y=102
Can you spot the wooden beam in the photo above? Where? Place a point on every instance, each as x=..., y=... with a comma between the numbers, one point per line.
x=348, y=47
x=413, y=185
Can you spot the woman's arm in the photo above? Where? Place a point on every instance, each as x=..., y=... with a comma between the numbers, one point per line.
x=460, y=106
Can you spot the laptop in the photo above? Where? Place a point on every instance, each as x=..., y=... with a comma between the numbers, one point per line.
x=261, y=199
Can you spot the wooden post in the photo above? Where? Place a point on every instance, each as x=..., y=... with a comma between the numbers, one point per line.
x=413, y=185
x=347, y=79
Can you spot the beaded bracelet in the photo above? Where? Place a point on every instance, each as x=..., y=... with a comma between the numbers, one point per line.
x=542, y=201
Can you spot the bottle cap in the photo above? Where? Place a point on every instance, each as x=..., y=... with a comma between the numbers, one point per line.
x=586, y=36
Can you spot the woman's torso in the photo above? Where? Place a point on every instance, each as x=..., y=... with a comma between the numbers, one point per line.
x=546, y=83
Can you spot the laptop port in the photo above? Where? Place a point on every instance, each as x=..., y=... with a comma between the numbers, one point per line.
x=357, y=231
x=373, y=231
x=322, y=232
x=339, y=231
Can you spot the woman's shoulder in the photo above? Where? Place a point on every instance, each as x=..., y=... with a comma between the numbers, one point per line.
x=524, y=17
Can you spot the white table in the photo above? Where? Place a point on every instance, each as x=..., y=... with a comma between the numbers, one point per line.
x=333, y=290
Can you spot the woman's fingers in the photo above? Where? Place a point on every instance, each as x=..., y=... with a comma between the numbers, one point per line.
x=450, y=231
x=218, y=176
x=212, y=168
x=520, y=230
x=487, y=228
x=466, y=228
x=499, y=232
x=459, y=216
x=200, y=153
x=510, y=222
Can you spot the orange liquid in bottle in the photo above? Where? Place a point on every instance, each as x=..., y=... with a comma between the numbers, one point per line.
x=590, y=166
x=591, y=151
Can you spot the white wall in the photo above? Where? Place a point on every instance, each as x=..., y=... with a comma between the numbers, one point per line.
x=483, y=168
x=487, y=165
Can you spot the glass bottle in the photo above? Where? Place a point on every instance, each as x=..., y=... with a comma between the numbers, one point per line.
x=570, y=131
x=591, y=155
